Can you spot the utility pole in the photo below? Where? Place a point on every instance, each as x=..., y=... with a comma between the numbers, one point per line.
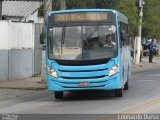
x=0, y=9
x=47, y=8
x=63, y=4
x=140, y=4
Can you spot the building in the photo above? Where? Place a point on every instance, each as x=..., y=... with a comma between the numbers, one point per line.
x=22, y=11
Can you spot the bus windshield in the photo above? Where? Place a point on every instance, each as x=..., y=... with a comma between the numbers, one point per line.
x=81, y=42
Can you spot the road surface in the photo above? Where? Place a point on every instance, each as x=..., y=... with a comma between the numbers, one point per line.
x=142, y=97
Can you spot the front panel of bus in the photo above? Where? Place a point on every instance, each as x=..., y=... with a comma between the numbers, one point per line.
x=79, y=56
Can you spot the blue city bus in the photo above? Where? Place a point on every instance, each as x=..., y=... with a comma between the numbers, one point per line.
x=79, y=54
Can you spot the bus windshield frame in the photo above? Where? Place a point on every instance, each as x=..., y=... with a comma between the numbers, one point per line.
x=87, y=33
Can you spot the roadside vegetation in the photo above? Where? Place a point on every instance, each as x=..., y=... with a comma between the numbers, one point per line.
x=151, y=16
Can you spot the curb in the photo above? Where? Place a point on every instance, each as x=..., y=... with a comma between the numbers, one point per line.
x=20, y=88
x=25, y=88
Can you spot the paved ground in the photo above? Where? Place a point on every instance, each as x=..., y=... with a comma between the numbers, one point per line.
x=144, y=65
x=8, y=94
x=142, y=97
x=33, y=83
x=18, y=88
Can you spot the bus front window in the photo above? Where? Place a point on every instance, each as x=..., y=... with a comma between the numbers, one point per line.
x=66, y=43
x=96, y=40
x=82, y=42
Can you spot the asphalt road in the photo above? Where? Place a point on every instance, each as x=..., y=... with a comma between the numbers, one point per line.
x=142, y=97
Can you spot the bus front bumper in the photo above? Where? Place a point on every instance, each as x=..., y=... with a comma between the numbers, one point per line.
x=105, y=83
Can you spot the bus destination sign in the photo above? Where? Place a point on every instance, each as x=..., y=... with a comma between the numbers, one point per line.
x=82, y=16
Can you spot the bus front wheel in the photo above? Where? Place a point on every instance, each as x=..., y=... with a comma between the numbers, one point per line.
x=119, y=92
x=58, y=95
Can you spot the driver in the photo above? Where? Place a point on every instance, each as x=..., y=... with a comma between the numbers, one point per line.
x=109, y=42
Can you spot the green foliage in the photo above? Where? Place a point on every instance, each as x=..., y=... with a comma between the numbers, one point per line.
x=151, y=24
x=41, y=10
x=55, y=5
x=128, y=8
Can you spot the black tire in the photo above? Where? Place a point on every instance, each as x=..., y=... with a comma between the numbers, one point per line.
x=119, y=92
x=126, y=86
x=58, y=95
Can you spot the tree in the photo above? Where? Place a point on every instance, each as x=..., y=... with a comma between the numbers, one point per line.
x=128, y=8
x=151, y=24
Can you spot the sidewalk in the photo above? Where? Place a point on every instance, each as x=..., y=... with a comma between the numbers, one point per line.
x=34, y=83
x=144, y=65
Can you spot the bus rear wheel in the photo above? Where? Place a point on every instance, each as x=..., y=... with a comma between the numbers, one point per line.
x=119, y=92
x=126, y=86
x=58, y=95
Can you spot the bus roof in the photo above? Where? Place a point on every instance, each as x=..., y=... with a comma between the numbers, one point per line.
x=82, y=10
x=122, y=16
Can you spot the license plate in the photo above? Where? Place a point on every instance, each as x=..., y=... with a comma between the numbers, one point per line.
x=83, y=83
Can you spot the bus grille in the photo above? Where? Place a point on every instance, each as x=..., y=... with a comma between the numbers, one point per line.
x=83, y=74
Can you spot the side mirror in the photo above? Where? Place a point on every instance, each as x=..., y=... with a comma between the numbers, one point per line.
x=42, y=38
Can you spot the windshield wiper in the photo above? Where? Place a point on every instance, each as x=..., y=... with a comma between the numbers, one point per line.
x=63, y=35
x=93, y=31
x=62, y=38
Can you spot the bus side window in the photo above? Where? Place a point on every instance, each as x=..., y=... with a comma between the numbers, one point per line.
x=124, y=34
x=121, y=34
x=127, y=35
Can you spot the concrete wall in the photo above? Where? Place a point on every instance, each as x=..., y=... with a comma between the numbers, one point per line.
x=16, y=50
x=4, y=38
x=20, y=64
x=21, y=36
x=21, y=50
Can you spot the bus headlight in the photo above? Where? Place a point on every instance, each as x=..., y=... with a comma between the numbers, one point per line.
x=113, y=70
x=52, y=72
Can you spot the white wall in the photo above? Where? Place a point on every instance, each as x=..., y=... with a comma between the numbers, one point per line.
x=16, y=50
x=4, y=34
x=21, y=36
x=4, y=38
